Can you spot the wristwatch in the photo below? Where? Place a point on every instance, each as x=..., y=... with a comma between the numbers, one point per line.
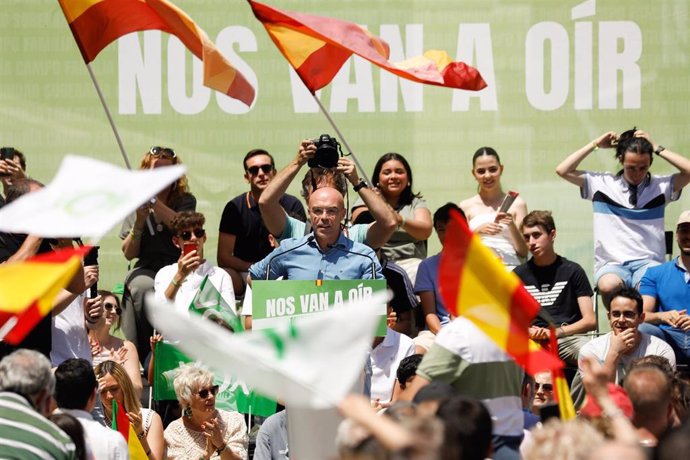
x=659, y=149
x=362, y=184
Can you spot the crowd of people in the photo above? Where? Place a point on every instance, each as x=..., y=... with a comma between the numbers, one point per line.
x=435, y=386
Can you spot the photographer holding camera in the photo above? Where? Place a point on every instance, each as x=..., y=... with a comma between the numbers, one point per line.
x=327, y=169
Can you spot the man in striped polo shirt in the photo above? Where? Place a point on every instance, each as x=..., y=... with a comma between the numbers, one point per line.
x=464, y=357
x=26, y=389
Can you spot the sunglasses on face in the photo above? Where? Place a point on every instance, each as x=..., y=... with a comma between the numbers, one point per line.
x=165, y=151
x=111, y=307
x=254, y=170
x=203, y=394
x=198, y=232
x=543, y=386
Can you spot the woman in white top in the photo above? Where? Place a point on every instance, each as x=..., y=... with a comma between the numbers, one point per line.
x=107, y=347
x=498, y=230
x=114, y=384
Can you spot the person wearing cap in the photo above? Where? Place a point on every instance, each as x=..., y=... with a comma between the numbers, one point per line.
x=666, y=296
x=628, y=206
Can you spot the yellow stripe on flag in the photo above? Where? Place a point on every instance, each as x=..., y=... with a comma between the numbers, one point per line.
x=74, y=8
x=296, y=47
x=136, y=450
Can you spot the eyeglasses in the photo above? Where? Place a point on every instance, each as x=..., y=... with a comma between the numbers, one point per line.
x=254, y=170
x=203, y=394
x=625, y=314
x=198, y=232
x=328, y=212
x=543, y=386
x=165, y=151
x=111, y=307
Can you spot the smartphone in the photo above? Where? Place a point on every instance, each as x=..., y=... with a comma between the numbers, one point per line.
x=508, y=201
x=187, y=248
x=6, y=153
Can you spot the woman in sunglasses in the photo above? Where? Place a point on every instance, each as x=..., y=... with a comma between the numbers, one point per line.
x=203, y=431
x=180, y=281
x=114, y=384
x=497, y=229
x=147, y=237
x=107, y=347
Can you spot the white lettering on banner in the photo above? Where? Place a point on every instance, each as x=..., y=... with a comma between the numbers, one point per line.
x=475, y=49
x=619, y=48
x=280, y=306
x=137, y=70
x=412, y=93
x=142, y=72
x=361, y=89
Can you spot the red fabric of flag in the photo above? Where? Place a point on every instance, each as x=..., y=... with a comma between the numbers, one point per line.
x=475, y=284
x=318, y=46
x=29, y=288
x=97, y=23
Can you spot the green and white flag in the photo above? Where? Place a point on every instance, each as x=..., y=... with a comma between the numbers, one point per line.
x=210, y=304
x=310, y=362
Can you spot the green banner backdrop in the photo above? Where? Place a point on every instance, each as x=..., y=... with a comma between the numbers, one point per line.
x=559, y=74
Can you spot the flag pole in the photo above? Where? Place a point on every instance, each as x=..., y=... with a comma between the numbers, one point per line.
x=342, y=138
x=110, y=118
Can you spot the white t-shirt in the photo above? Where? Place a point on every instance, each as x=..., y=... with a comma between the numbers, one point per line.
x=191, y=284
x=649, y=345
x=385, y=359
x=69, y=336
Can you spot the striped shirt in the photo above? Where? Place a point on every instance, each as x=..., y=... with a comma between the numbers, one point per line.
x=26, y=435
x=465, y=358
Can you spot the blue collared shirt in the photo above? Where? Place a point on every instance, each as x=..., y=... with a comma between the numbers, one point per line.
x=307, y=261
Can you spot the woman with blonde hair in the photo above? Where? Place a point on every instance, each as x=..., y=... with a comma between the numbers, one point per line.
x=146, y=236
x=203, y=432
x=115, y=384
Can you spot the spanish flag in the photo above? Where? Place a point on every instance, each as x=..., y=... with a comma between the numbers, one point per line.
x=475, y=284
x=317, y=47
x=97, y=23
x=560, y=383
x=28, y=289
x=121, y=424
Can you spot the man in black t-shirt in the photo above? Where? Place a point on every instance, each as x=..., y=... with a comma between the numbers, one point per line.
x=560, y=286
x=243, y=238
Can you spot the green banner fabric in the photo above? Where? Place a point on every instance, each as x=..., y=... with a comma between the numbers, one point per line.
x=233, y=394
x=210, y=304
x=280, y=300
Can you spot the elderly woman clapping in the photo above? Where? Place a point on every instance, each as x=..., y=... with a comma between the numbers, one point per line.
x=203, y=431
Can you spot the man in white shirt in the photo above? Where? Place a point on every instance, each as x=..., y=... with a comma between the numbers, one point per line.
x=75, y=392
x=617, y=349
x=179, y=282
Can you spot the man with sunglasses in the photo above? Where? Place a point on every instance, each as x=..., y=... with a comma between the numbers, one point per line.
x=617, y=349
x=243, y=237
x=543, y=391
x=628, y=206
x=180, y=281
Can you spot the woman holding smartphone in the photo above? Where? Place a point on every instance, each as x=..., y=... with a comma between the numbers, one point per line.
x=498, y=228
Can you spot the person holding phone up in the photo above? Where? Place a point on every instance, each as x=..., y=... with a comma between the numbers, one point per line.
x=180, y=281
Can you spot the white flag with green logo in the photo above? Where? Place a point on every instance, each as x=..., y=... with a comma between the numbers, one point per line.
x=208, y=303
x=311, y=362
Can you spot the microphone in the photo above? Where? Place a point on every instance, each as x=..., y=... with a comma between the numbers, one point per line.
x=371, y=259
x=310, y=238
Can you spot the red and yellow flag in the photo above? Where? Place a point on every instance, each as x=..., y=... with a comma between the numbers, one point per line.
x=97, y=23
x=560, y=383
x=121, y=424
x=28, y=289
x=476, y=285
x=317, y=47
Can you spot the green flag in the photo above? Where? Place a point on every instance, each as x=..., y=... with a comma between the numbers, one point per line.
x=210, y=304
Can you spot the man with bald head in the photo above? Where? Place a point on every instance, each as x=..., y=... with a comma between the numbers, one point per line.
x=326, y=253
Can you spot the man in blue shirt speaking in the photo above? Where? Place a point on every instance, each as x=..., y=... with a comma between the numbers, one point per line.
x=324, y=254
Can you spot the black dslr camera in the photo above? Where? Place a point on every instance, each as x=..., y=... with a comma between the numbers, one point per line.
x=327, y=152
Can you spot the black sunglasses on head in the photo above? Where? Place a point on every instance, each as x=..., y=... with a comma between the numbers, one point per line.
x=158, y=151
x=203, y=394
x=198, y=232
x=254, y=170
x=112, y=306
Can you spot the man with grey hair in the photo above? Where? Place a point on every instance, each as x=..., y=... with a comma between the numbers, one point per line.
x=26, y=389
